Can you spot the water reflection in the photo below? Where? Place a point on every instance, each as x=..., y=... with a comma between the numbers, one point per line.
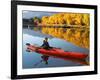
x=79, y=37
x=44, y=60
x=36, y=60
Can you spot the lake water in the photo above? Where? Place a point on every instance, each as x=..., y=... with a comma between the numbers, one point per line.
x=33, y=59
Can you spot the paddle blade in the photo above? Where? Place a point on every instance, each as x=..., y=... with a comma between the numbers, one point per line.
x=27, y=44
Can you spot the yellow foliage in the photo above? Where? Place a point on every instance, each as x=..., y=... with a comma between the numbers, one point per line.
x=67, y=18
x=79, y=37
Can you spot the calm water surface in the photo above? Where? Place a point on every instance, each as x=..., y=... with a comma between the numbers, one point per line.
x=33, y=59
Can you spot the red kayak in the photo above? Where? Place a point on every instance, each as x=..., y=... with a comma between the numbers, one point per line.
x=57, y=52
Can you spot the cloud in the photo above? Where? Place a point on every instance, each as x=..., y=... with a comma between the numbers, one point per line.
x=31, y=14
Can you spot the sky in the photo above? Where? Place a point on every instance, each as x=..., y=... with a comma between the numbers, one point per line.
x=31, y=14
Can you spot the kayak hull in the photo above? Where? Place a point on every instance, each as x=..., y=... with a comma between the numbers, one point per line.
x=56, y=52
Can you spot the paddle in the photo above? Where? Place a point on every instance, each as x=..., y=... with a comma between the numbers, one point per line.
x=33, y=44
x=40, y=46
x=27, y=44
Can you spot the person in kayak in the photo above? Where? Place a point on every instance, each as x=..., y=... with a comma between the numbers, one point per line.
x=45, y=44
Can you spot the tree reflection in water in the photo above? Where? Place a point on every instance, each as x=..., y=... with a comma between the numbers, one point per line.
x=77, y=36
